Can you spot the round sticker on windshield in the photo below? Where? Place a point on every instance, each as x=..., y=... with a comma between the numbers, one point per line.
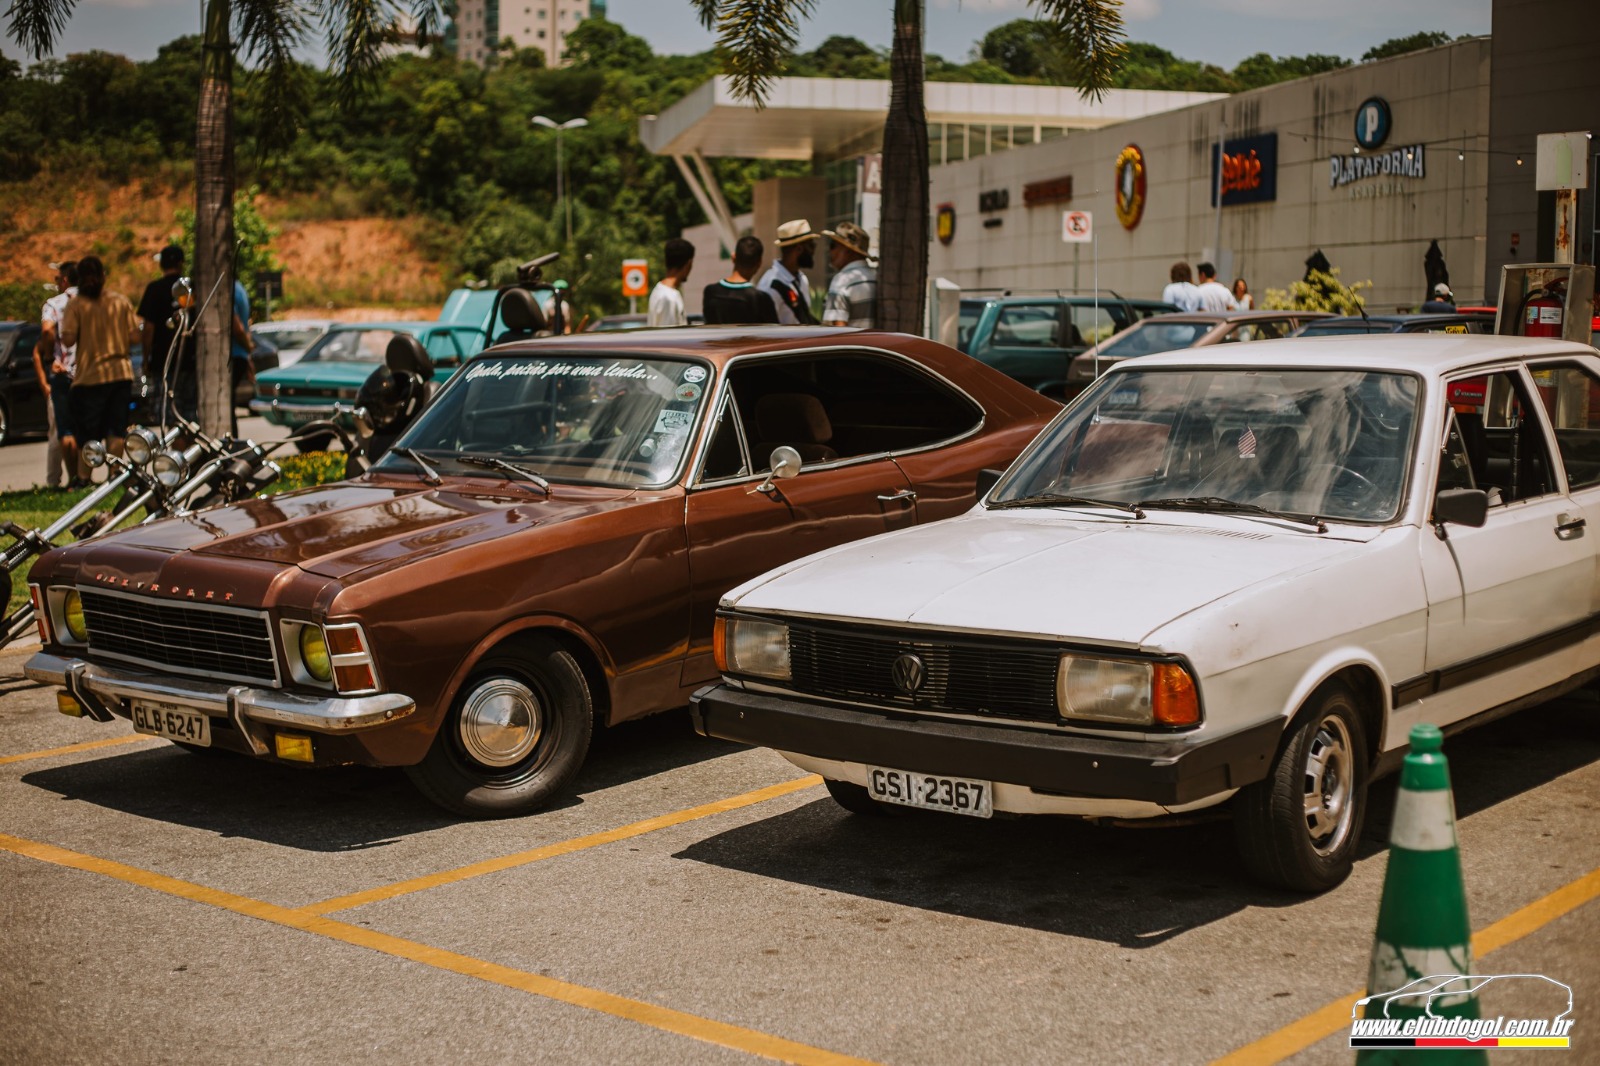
x=647, y=447
x=687, y=393
x=694, y=373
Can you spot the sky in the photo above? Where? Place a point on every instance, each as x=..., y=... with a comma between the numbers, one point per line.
x=1214, y=31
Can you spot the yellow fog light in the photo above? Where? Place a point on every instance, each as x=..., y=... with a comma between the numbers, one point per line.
x=292, y=746
x=67, y=705
x=314, y=653
x=72, y=612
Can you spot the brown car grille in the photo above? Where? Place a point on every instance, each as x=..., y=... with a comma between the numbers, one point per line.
x=965, y=677
x=209, y=641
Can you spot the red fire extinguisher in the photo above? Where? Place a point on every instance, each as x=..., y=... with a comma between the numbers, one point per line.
x=1543, y=310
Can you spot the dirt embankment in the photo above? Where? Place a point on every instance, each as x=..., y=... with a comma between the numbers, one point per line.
x=354, y=268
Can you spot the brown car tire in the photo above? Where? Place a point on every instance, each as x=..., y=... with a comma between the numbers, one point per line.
x=516, y=735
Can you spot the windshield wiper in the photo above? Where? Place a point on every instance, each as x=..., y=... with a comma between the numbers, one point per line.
x=429, y=474
x=1056, y=499
x=500, y=464
x=1222, y=505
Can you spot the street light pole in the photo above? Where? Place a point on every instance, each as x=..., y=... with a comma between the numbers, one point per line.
x=562, y=200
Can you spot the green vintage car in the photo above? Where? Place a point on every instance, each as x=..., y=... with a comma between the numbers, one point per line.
x=325, y=381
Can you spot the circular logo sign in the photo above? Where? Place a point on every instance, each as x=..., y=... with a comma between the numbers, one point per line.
x=633, y=278
x=944, y=223
x=1372, y=122
x=1130, y=186
x=909, y=673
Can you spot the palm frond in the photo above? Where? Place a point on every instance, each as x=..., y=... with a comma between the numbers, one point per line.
x=757, y=37
x=268, y=32
x=35, y=24
x=1093, y=35
x=706, y=12
x=358, y=30
x=427, y=17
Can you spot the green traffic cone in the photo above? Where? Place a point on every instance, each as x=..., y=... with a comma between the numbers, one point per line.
x=1423, y=936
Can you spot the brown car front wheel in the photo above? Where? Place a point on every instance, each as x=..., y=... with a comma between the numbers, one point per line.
x=515, y=736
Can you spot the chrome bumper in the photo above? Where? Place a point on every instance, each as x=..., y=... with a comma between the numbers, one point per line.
x=101, y=690
x=304, y=411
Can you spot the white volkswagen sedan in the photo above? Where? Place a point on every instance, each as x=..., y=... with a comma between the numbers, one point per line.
x=1220, y=577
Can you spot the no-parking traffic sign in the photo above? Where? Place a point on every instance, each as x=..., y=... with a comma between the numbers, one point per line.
x=635, y=277
x=1077, y=227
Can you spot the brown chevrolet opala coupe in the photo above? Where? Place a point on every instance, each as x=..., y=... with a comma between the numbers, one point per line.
x=542, y=552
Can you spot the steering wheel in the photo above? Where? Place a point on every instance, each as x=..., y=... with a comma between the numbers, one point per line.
x=1345, y=478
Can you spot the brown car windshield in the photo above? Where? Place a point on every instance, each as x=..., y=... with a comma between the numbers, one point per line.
x=611, y=419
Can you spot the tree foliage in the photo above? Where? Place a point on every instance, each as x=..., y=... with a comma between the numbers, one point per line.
x=1399, y=46
x=1319, y=291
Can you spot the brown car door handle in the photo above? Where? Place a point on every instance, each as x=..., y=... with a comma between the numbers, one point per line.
x=1568, y=527
x=904, y=494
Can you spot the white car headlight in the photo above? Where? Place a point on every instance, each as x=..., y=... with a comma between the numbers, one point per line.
x=754, y=647
x=1126, y=692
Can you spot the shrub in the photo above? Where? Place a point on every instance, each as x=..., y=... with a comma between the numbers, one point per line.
x=1318, y=292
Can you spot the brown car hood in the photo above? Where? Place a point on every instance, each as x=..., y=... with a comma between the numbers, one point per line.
x=344, y=529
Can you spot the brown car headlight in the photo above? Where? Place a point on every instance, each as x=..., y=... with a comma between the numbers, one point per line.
x=314, y=653
x=752, y=646
x=72, y=616
x=1126, y=691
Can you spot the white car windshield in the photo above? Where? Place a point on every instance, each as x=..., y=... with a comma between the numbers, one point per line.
x=1335, y=444
x=615, y=419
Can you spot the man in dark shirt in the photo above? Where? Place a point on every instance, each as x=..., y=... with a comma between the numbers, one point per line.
x=735, y=299
x=158, y=308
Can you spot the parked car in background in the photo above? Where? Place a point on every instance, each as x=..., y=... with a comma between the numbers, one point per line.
x=263, y=357
x=606, y=323
x=326, y=380
x=1418, y=323
x=22, y=401
x=542, y=550
x=292, y=336
x=1233, y=576
x=1035, y=338
x=1185, y=330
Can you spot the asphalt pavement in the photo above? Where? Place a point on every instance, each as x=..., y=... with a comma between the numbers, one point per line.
x=695, y=901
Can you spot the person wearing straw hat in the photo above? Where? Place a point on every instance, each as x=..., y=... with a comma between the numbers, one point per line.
x=786, y=280
x=853, y=293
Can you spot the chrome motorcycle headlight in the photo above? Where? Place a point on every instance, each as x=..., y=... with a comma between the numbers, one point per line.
x=94, y=454
x=169, y=468
x=142, y=445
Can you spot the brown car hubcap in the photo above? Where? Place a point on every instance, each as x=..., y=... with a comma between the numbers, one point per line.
x=501, y=722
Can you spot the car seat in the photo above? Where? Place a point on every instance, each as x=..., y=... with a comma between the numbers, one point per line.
x=796, y=419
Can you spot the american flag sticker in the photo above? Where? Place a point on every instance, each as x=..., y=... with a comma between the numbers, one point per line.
x=1247, y=443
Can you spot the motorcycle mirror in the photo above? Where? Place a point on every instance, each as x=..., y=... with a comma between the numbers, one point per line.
x=405, y=354
x=182, y=289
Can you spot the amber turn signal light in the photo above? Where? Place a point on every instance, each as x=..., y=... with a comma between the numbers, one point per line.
x=1173, y=700
x=293, y=746
x=66, y=704
x=719, y=645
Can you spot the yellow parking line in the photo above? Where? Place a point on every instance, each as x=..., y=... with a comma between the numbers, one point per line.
x=565, y=847
x=70, y=749
x=1301, y=1034
x=658, y=1017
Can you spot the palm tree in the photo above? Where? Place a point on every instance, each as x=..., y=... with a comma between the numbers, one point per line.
x=758, y=35
x=265, y=32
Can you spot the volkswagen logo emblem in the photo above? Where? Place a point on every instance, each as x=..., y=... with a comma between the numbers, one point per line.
x=909, y=673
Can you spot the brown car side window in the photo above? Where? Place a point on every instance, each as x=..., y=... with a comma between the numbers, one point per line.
x=725, y=456
x=842, y=405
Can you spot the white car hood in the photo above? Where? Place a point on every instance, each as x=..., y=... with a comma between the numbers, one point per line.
x=1040, y=573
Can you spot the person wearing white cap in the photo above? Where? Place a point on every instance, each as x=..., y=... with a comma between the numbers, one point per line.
x=1443, y=301
x=853, y=292
x=785, y=280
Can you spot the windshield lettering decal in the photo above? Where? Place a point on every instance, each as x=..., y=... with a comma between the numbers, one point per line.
x=505, y=369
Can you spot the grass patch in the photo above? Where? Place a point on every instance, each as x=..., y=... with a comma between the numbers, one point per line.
x=37, y=507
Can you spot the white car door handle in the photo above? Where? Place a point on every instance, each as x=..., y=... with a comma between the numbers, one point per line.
x=1567, y=527
x=904, y=494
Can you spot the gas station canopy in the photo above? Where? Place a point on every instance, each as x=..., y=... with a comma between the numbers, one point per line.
x=825, y=119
